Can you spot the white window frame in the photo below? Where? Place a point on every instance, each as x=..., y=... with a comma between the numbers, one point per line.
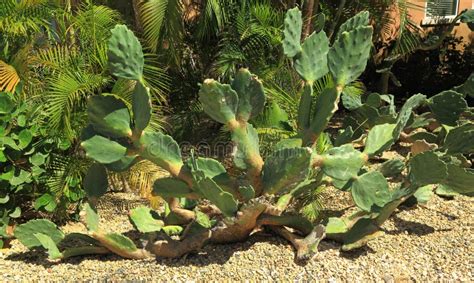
x=428, y=20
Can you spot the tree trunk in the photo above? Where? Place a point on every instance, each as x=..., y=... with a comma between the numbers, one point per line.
x=136, y=12
x=308, y=17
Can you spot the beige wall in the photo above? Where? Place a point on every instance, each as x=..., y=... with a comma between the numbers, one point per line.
x=418, y=15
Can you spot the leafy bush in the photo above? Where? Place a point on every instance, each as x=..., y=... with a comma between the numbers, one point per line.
x=26, y=175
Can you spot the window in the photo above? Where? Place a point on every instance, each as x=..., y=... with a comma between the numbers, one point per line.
x=439, y=11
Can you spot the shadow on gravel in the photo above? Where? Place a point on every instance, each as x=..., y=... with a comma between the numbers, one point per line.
x=39, y=257
x=410, y=227
x=355, y=254
x=220, y=254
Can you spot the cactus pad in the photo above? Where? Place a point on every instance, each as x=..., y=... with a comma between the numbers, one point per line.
x=392, y=167
x=160, y=149
x=95, y=181
x=103, y=150
x=326, y=106
x=460, y=139
x=141, y=106
x=426, y=168
x=251, y=95
x=109, y=116
x=405, y=113
x=359, y=20
x=219, y=101
x=369, y=190
x=342, y=163
x=348, y=57
x=379, y=139
x=311, y=64
x=285, y=169
x=25, y=232
x=126, y=58
x=292, y=32
x=447, y=106
x=246, y=146
x=170, y=187
x=143, y=220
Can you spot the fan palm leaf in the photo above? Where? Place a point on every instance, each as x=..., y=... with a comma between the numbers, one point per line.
x=9, y=78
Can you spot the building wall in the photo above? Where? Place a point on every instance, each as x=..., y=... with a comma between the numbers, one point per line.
x=463, y=30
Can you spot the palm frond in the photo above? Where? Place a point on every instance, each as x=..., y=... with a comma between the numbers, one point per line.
x=9, y=78
x=65, y=171
x=95, y=22
x=160, y=20
x=23, y=18
x=65, y=95
x=142, y=176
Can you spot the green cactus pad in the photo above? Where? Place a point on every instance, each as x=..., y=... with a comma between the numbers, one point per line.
x=342, y=163
x=125, y=54
x=141, y=106
x=285, y=169
x=359, y=20
x=336, y=225
x=426, y=136
x=109, y=116
x=247, y=146
x=348, y=56
x=160, y=149
x=95, y=181
x=49, y=245
x=326, y=106
x=292, y=32
x=460, y=140
x=219, y=101
x=369, y=190
x=25, y=232
x=344, y=136
x=392, y=167
x=251, y=95
x=405, y=113
x=379, y=139
x=460, y=179
x=426, y=168
x=103, y=150
x=210, y=167
x=424, y=194
x=312, y=64
x=120, y=242
x=447, y=106
x=91, y=218
x=467, y=88
x=144, y=221
x=361, y=232
x=170, y=187
x=215, y=194
x=304, y=109
x=123, y=164
x=350, y=102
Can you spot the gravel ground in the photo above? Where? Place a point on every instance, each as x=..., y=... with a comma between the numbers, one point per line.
x=431, y=243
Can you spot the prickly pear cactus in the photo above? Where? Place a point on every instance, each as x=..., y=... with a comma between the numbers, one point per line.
x=206, y=204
